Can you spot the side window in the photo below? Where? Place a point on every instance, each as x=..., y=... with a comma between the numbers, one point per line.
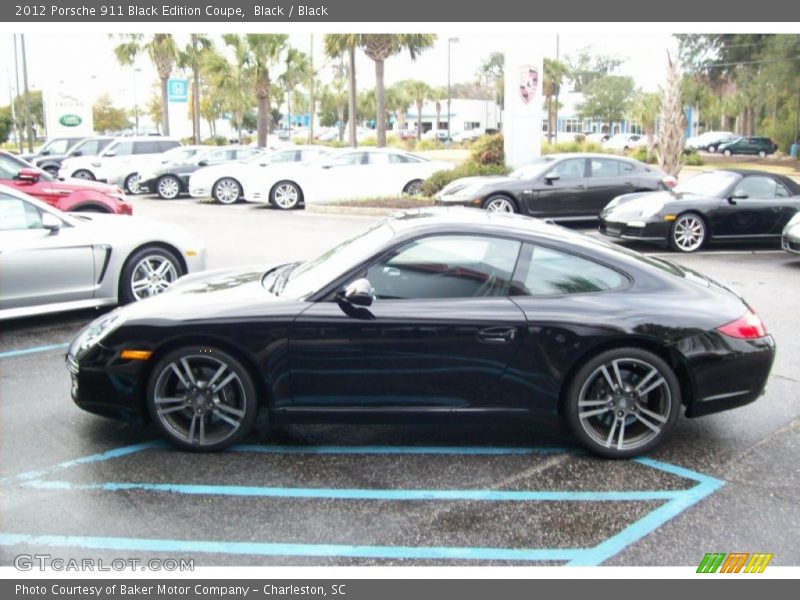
x=448, y=266
x=626, y=168
x=146, y=148
x=164, y=145
x=378, y=158
x=8, y=169
x=16, y=214
x=351, y=158
x=550, y=272
x=398, y=158
x=781, y=191
x=122, y=149
x=604, y=167
x=219, y=156
x=243, y=154
x=572, y=168
x=758, y=187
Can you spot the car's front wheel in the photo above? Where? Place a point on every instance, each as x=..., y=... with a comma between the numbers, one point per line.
x=623, y=402
x=712, y=148
x=168, y=187
x=285, y=195
x=83, y=174
x=413, y=188
x=727, y=153
x=688, y=233
x=148, y=272
x=500, y=204
x=202, y=398
x=762, y=154
x=226, y=191
x=131, y=184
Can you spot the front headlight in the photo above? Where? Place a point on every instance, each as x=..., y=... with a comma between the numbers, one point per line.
x=97, y=330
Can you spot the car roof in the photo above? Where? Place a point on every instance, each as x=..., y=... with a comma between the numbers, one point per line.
x=559, y=155
x=790, y=183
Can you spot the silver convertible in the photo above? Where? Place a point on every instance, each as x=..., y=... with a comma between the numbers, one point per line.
x=53, y=261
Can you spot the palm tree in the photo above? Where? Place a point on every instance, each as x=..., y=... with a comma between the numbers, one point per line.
x=644, y=110
x=258, y=53
x=163, y=53
x=437, y=94
x=670, y=134
x=190, y=58
x=419, y=91
x=554, y=73
x=298, y=72
x=397, y=101
x=338, y=44
x=230, y=83
x=379, y=47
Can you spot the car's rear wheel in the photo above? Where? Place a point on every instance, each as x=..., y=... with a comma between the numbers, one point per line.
x=712, y=148
x=132, y=183
x=413, y=188
x=500, y=204
x=727, y=152
x=762, y=154
x=688, y=233
x=202, y=398
x=285, y=195
x=168, y=187
x=623, y=402
x=83, y=174
x=226, y=191
x=148, y=272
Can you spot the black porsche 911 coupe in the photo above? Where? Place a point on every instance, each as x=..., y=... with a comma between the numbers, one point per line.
x=724, y=205
x=432, y=312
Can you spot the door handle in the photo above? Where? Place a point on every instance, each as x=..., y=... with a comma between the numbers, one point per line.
x=497, y=335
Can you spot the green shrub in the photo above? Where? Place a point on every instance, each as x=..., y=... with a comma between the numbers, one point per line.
x=576, y=145
x=488, y=150
x=423, y=145
x=438, y=180
x=369, y=142
x=693, y=160
x=642, y=155
x=217, y=140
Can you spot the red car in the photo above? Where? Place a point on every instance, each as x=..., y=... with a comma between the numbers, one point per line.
x=69, y=195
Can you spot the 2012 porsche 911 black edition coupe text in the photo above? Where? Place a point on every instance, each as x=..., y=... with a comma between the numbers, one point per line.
x=432, y=311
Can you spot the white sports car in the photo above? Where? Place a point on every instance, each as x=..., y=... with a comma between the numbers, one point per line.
x=343, y=174
x=52, y=261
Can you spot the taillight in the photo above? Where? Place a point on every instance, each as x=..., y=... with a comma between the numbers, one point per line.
x=747, y=327
x=669, y=182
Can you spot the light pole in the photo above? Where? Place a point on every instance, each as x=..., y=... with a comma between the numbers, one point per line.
x=449, y=43
x=135, y=102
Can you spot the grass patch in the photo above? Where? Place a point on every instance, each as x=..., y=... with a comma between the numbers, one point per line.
x=398, y=202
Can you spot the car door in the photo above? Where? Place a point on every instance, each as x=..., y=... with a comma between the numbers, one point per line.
x=439, y=333
x=757, y=214
x=341, y=177
x=608, y=178
x=39, y=266
x=559, y=198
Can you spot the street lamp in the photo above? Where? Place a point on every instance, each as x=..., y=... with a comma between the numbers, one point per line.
x=449, y=43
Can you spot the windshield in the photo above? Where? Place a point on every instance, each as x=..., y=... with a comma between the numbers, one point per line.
x=709, y=183
x=313, y=275
x=533, y=169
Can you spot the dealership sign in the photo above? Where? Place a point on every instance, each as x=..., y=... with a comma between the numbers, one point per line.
x=70, y=120
x=66, y=113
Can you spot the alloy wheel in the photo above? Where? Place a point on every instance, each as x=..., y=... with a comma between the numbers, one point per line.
x=285, y=196
x=499, y=204
x=168, y=188
x=226, y=191
x=132, y=183
x=688, y=233
x=152, y=275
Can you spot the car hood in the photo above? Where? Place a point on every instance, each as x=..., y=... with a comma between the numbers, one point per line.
x=632, y=205
x=221, y=294
x=476, y=182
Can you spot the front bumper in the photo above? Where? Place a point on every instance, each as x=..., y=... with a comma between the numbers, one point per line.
x=790, y=243
x=635, y=230
x=471, y=202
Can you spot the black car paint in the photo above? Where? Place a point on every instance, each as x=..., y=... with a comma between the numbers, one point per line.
x=728, y=218
x=564, y=199
x=309, y=359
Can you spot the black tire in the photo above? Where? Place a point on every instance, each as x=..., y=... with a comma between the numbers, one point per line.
x=136, y=270
x=83, y=174
x=762, y=154
x=131, y=184
x=727, y=152
x=607, y=414
x=184, y=406
x=414, y=188
x=688, y=233
x=92, y=208
x=226, y=191
x=500, y=203
x=286, y=195
x=168, y=187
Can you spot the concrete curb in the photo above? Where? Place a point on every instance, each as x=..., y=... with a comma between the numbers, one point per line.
x=365, y=211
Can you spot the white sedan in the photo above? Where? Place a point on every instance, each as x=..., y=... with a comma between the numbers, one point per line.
x=342, y=174
x=624, y=141
x=52, y=261
x=225, y=182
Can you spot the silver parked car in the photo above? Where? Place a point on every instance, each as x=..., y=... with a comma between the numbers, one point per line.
x=53, y=261
x=790, y=239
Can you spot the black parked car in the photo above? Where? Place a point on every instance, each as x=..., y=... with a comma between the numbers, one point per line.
x=723, y=205
x=562, y=187
x=760, y=146
x=85, y=147
x=170, y=180
x=432, y=312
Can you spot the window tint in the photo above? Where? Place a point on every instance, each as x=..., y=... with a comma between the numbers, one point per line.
x=604, y=167
x=570, y=169
x=446, y=267
x=219, y=156
x=284, y=156
x=625, y=168
x=758, y=187
x=8, y=168
x=398, y=159
x=243, y=154
x=550, y=272
x=146, y=148
x=59, y=146
x=90, y=147
x=351, y=158
x=164, y=145
x=122, y=149
x=378, y=158
x=17, y=214
x=310, y=155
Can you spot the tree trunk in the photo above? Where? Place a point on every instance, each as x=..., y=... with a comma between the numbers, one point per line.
x=263, y=120
x=164, y=107
x=419, y=121
x=340, y=114
x=380, y=105
x=351, y=97
x=549, y=119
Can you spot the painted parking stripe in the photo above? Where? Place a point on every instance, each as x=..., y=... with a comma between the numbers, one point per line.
x=33, y=350
x=364, y=494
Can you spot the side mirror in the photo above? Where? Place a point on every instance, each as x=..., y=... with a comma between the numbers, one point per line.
x=202, y=163
x=28, y=175
x=355, y=298
x=51, y=223
x=328, y=166
x=77, y=153
x=551, y=177
x=44, y=153
x=740, y=195
x=110, y=153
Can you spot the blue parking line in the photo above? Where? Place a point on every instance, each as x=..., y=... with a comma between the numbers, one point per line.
x=33, y=350
x=290, y=549
x=365, y=494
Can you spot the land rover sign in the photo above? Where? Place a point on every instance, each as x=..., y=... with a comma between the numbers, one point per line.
x=70, y=120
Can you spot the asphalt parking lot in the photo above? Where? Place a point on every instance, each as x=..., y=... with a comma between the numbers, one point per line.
x=76, y=485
